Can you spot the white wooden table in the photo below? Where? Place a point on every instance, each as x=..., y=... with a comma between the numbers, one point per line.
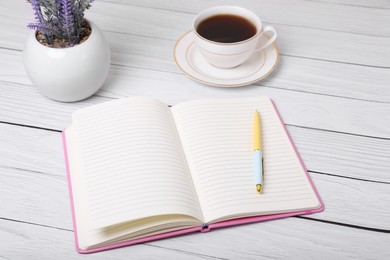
x=332, y=86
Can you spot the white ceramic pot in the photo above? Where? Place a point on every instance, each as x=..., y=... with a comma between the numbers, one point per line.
x=68, y=74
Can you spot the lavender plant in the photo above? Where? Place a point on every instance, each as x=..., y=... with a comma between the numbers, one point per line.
x=59, y=19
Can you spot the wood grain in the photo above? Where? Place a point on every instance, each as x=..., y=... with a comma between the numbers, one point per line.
x=306, y=75
x=287, y=239
x=381, y=4
x=317, y=15
x=297, y=108
x=336, y=15
x=274, y=239
x=323, y=152
x=331, y=87
x=306, y=42
x=341, y=154
x=37, y=147
x=44, y=200
x=37, y=242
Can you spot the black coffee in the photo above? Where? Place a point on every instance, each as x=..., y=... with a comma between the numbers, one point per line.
x=226, y=28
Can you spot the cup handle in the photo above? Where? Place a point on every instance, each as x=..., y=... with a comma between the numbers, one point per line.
x=266, y=29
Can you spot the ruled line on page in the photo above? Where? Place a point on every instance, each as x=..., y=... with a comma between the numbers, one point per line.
x=217, y=139
x=121, y=186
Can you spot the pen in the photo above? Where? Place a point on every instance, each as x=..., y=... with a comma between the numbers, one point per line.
x=258, y=157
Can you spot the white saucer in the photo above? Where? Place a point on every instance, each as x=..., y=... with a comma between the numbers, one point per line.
x=194, y=65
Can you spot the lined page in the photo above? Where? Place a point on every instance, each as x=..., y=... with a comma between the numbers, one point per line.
x=217, y=139
x=131, y=162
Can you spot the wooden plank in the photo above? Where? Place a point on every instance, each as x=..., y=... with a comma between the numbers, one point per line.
x=25, y=105
x=273, y=239
x=35, y=162
x=38, y=198
x=297, y=108
x=353, y=202
x=340, y=47
x=324, y=152
x=287, y=239
x=310, y=14
x=343, y=154
x=12, y=69
x=344, y=80
x=24, y=241
x=381, y=4
x=168, y=25
x=329, y=78
x=48, y=194
x=31, y=149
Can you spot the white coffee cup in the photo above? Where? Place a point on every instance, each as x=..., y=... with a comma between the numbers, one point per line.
x=230, y=55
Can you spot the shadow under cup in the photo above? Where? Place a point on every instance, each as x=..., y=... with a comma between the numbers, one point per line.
x=228, y=20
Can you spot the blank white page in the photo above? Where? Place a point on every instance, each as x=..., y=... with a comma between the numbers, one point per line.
x=217, y=139
x=131, y=162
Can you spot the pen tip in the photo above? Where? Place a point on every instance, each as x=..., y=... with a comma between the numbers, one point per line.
x=259, y=188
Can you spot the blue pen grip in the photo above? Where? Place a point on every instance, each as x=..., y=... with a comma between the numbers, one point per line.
x=258, y=167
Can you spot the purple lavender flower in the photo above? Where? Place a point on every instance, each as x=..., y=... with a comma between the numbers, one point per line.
x=67, y=21
x=37, y=10
x=61, y=19
x=41, y=23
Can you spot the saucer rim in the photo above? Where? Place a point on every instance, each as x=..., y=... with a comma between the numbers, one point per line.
x=196, y=69
x=217, y=84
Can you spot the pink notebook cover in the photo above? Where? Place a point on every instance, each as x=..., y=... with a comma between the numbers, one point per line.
x=202, y=229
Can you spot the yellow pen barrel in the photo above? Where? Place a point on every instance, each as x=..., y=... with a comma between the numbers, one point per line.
x=257, y=138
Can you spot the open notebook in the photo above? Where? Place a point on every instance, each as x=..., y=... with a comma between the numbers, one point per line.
x=139, y=170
